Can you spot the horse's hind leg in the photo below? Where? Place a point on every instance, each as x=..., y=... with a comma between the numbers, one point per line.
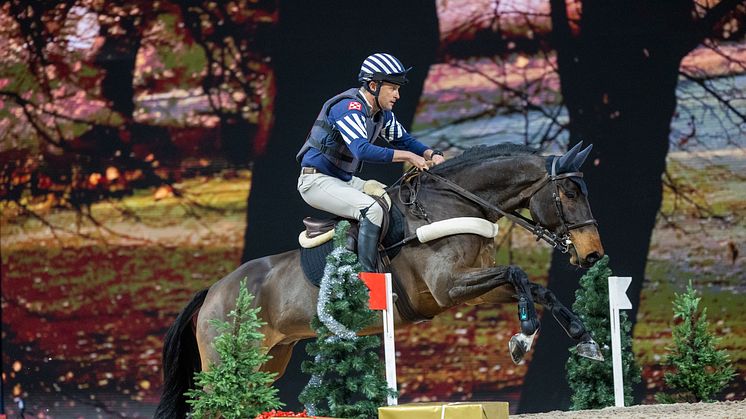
x=569, y=321
x=206, y=335
x=280, y=358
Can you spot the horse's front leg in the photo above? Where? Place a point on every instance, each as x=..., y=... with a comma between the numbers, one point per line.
x=521, y=343
x=569, y=321
x=480, y=286
x=472, y=284
x=487, y=286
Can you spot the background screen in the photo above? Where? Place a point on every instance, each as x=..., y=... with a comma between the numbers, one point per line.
x=147, y=149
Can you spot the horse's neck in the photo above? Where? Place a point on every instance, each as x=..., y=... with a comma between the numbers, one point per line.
x=503, y=182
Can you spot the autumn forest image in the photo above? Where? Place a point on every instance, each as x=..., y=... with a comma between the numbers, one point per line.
x=147, y=149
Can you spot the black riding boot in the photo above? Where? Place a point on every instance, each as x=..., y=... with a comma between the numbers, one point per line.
x=367, y=245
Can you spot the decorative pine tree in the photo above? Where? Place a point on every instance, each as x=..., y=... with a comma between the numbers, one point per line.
x=700, y=370
x=347, y=374
x=235, y=388
x=592, y=382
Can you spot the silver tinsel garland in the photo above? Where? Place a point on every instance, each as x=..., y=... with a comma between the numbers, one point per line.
x=328, y=282
x=335, y=274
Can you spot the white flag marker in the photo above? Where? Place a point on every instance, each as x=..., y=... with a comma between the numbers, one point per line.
x=388, y=340
x=618, y=300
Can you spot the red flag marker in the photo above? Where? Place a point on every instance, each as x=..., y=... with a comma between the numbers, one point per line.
x=376, y=283
x=381, y=297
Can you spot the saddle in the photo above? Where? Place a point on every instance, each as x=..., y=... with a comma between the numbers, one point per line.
x=316, y=240
x=319, y=230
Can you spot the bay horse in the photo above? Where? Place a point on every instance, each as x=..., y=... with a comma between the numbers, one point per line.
x=484, y=182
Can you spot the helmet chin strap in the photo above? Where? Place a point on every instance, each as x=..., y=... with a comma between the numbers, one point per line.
x=378, y=104
x=375, y=92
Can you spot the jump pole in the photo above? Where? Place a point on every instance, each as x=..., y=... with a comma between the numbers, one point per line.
x=618, y=300
x=381, y=298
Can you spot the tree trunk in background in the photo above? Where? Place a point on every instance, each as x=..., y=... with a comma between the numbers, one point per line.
x=320, y=46
x=618, y=79
x=236, y=44
x=117, y=58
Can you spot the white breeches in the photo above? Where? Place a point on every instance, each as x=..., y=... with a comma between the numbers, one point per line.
x=345, y=199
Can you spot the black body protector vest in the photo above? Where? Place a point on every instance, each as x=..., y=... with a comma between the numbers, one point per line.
x=329, y=141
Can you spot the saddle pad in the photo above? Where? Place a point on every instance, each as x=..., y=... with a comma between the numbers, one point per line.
x=313, y=261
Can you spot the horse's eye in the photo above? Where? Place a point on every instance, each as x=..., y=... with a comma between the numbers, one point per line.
x=570, y=194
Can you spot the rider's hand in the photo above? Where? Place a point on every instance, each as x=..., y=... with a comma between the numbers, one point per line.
x=437, y=159
x=419, y=162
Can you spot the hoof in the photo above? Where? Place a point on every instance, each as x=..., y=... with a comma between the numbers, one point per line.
x=519, y=345
x=589, y=350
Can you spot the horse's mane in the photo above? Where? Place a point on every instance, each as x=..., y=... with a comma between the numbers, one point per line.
x=481, y=153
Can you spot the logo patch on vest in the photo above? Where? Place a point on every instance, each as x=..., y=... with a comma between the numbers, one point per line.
x=356, y=106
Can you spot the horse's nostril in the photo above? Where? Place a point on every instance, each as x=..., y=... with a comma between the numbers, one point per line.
x=592, y=258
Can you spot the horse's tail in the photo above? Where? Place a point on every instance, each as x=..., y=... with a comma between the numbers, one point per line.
x=180, y=362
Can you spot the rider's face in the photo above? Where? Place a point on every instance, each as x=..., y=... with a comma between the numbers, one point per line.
x=388, y=95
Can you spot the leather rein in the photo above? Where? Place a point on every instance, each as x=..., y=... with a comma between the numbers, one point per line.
x=561, y=242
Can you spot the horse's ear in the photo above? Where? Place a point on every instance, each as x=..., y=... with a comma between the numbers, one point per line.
x=580, y=158
x=564, y=164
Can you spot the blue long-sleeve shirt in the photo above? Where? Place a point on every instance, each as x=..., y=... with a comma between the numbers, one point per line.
x=348, y=118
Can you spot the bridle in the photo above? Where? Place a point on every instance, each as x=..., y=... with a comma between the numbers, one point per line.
x=561, y=241
x=564, y=226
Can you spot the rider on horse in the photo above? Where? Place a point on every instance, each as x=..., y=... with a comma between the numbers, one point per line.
x=343, y=137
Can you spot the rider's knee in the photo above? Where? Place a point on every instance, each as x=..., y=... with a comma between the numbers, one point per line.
x=373, y=213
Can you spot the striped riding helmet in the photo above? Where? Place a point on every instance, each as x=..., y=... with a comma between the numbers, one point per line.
x=383, y=67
